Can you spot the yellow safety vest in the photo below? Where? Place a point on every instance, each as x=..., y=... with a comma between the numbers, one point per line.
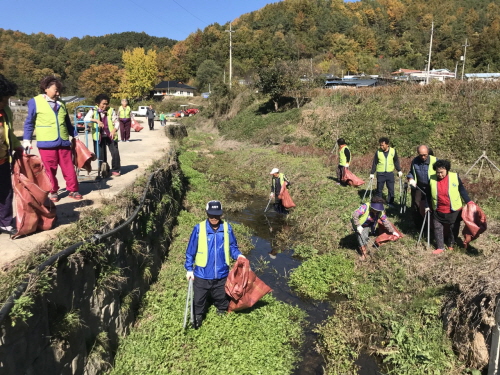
x=364, y=217
x=111, y=126
x=10, y=132
x=430, y=172
x=342, y=156
x=50, y=126
x=124, y=112
x=386, y=164
x=202, y=252
x=453, y=193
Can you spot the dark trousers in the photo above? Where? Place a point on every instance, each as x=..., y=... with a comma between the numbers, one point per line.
x=340, y=172
x=151, y=123
x=213, y=289
x=439, y=231
x=385, y=178
x=418, y=205
x=113, y=150
x=6, y=195
x=125, y=124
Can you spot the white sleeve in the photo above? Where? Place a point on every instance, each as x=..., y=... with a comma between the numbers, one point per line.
x=116, y=122
x=89, y=115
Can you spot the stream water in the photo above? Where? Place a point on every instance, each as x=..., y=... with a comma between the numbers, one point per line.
x=273, y=264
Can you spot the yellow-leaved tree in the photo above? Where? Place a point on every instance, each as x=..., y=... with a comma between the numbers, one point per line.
x=141, y=72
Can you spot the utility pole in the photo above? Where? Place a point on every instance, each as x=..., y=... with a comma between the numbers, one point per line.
x=430, y=53
x=230, y=31
x=465, y=53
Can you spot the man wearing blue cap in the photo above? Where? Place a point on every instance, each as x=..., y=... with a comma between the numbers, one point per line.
x=365, y=220
x=208, y=254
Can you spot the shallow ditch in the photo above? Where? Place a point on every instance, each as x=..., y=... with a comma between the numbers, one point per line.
x=273, y=264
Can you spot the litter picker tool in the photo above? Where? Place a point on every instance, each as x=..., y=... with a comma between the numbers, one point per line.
x=400, y=193
x=370, y=187
x=405, y=195
x=189, y=304
x=427, y=218
x=268, y=204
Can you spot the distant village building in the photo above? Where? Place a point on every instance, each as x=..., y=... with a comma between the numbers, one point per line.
x=173, y=88
x=354, y=81
x=482, y=76
x=14, y=102
x=421, y=76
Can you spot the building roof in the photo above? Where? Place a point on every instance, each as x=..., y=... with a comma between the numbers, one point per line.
x=352, y=82
x=406, y=71
x=173, y=84
x=482, y=75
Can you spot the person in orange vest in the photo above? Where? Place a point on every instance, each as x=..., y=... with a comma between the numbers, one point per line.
x=9, y=144
x=211, y=246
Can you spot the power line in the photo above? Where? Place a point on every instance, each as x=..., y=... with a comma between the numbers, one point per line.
x=187, y=11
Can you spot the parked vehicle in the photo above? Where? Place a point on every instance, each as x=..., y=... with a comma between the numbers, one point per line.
x=80, y=113
x=141, y=111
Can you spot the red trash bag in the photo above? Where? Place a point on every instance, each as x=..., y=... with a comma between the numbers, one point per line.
x=475, y=222
x=384, y=236
x=286, y=199
x=243, y=286
x=351, y=179
x=136, y=126
x=31, y=186
x=82, y=156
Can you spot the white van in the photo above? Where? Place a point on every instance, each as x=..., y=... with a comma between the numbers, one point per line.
x=141, y=111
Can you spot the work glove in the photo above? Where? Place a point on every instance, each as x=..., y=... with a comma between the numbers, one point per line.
x=395, y=234
x=400, y=174
x=271, y=195
x=413, y=182
x=471, y=202
x=347, y=165
x=359, y=228
x=26, y=145
x=241, y=255
x=427, y=209
x=190, y=275
x=372, y=176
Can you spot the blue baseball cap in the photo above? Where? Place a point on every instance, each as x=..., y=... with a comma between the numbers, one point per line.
x=214, y=208
x=377, y=206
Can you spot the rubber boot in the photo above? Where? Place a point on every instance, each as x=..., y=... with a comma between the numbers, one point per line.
x=198, y=319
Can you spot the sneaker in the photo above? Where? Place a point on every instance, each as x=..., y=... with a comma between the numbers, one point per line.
x=272, y=256
x=128, y=140
x=8, y=230
x=54, y=197
x=437, y=251
x=115, y=173
x=75, y=195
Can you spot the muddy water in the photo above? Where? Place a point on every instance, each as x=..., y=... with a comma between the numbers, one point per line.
x=273, y=264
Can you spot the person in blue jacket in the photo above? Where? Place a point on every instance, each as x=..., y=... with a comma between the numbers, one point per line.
x=208, y=254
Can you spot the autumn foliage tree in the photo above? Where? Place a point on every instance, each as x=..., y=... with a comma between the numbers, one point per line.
x=100, y=79
x=141, y=72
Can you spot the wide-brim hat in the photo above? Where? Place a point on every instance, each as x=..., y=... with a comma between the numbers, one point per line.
x=377, y=206
x=214, y=208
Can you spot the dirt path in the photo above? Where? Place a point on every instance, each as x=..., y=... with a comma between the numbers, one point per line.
x=145, y=147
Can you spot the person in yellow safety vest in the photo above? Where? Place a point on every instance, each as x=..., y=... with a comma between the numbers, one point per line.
x=418, y=178
x=9, y=144
x=365, y=221
x=384, y=162
x=445, y=197
x=107, y=121
x=277, y=181
x=125, y=118
x=211, y=245
x=48, y=115
x=344, y=159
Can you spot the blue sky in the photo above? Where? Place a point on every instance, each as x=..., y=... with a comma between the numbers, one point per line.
x=174, y=19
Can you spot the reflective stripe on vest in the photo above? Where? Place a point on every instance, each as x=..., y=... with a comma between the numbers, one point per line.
x=202, y=253
x=50, y=126
x=111, y=126
x=386, y=164
x=282, y=180
x=364, y=217
x=124, y=112
x=430, y=171
x=342, y=156
x=453, y=193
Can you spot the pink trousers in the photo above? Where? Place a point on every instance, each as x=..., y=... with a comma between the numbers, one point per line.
x=59, y=156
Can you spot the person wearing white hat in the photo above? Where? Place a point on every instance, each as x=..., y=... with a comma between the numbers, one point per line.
x=277, y=181
x=208, y=254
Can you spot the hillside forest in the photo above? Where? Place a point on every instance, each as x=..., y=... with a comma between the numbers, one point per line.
x=326, y=36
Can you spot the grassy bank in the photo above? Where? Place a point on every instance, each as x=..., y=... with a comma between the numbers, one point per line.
x=397, y=301
x=264, y=339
